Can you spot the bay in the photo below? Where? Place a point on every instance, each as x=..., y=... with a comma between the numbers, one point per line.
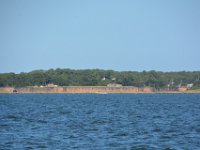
x=100, y=121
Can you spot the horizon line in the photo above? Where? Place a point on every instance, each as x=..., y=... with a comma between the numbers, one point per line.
x=76, y=69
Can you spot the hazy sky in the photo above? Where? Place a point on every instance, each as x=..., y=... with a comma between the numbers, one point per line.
x=106, y=34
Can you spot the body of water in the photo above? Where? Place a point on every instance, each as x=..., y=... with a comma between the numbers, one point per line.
x=95, y=121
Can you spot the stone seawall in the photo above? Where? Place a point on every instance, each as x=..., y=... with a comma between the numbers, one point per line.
x=83, y=89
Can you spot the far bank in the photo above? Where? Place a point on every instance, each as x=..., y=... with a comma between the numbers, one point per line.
x=92, y=89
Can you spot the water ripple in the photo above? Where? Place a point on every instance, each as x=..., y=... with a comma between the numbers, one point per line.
x=91, y=121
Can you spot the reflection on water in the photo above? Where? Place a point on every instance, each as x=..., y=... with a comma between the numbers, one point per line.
x=92, y=121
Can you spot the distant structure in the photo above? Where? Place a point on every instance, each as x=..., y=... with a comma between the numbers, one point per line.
x=170, y=86
x=189, y=85
x=114, y=85
x=103, y=79
x=113, y=79
x=183, y=88
x=51, y=85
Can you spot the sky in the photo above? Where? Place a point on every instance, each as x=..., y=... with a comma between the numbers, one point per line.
x=122, y=35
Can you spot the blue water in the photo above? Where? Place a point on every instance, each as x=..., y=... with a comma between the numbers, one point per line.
x=92, y=121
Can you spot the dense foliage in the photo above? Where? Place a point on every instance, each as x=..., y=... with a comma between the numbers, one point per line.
x=96, y=77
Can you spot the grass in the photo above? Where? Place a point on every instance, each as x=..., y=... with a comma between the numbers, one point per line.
x=3, y=91
x=193, y=91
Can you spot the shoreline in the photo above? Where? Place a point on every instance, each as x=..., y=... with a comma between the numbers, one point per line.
x=91, y=90
x=188, y=92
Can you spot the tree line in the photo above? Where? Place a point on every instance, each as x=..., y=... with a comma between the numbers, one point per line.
x=98, y=77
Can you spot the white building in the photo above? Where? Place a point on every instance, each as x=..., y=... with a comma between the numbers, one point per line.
x=190, y=85
x=114, y=85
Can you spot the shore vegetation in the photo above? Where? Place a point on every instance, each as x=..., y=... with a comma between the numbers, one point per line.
x=97, y=77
